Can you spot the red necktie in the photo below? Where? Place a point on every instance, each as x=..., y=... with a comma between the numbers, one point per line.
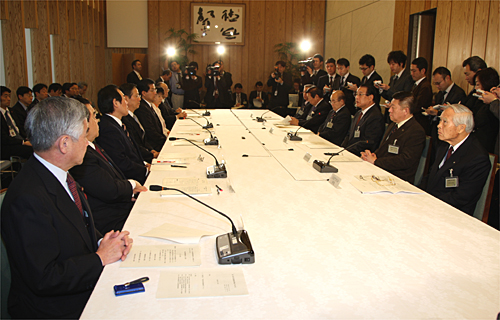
x=450, y=152
x=72, y=187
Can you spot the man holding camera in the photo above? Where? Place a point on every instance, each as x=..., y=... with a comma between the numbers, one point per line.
x=192, y=84
x=176, y=85
x=218, y=84
x=281, y=83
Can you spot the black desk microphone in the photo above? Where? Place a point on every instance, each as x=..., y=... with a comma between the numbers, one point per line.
x=233, y=247
x=323, y=167
x=212, y=141
x=209, y=124
x=216, y=171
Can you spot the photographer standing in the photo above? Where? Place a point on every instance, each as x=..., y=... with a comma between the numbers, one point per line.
x=281, y=83
x=176, y=85
x=192, y=84
x=218, y=84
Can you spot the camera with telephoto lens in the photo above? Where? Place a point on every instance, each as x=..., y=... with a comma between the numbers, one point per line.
x=214, y=69
x=276, y=73
x=309, y=62
x=191, y=70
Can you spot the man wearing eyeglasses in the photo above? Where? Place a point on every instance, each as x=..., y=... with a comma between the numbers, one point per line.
x=367, y=127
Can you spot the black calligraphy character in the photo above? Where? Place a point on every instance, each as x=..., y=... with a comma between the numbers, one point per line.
x=211, y=12
x=200, y=16
x=230, y=33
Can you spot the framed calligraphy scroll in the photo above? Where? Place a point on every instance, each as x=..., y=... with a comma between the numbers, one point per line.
x=218, y=23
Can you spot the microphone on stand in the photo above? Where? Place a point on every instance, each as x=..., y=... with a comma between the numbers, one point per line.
x=261, y=118
x=294, y=136
x=216, y=171
x=209, y=124
x=212, y=141
x=233, y=247
x=322, y=167
x=206, y=113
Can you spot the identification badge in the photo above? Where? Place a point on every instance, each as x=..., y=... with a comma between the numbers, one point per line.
x=451, y=181
x=300, y=112
x=357, y=133
x=329, y=125
x=393, y=148
x=178, y=86
x=285, y=139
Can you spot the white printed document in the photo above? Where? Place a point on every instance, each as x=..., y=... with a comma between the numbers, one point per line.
x=191, y=186
x=167, y=255
x=370, y=184
x=178, y=233
x=207, y=283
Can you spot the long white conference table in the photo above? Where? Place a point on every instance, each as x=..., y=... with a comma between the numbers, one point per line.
x=320, y=251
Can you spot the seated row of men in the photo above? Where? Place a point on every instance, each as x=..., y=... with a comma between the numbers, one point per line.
x=107, y=161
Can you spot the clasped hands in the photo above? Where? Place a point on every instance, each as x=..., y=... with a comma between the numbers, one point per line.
x=115, y=245
x=368, y=156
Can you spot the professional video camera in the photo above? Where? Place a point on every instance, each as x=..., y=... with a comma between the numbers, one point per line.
x=191, y=70
x=276, y=73
x=309, y=62
x=215, y=70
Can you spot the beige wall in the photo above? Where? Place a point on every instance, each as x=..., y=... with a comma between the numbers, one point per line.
x=355, y=28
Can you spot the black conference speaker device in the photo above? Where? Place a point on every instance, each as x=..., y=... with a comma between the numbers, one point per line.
x=212, y=141
x=209, y=125
x=261, y=118
x=232, y=248
x=215, y=171
x=326, y=167
x=294, y=136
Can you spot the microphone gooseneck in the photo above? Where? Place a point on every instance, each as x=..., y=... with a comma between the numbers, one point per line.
x=194, y=144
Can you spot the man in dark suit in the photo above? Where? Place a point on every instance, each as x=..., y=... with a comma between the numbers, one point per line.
x=338, y=121
x=54, y=251
x=19, y=111
x=114, y=138
x=13, y=143
x=422, y=92
x=135, y=75
x=370, y=76
x=471, y=66
x=169, y=114
x=41, y=92
x=403, y=142
x=400, y=81
x=147, y=116
x=317, y=72
x=134, y=126
x=331, y=81
x=218, y=84
x=448, y=93
x=109, y=194
x=70, y=89
x=280, y=87
x=260, y=95
x=165, y=76
x=239, y=98
x=348, y=83
x=460, y=170
x=367, y=127
x=192, y=84
x=318, y=112
x=305, y=107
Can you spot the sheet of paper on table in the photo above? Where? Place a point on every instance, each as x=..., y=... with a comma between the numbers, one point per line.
x=178, y=233
x=257, y=103
x=166, y=255
x=372, y=184
x=175, y=158
x=191, y=185
x=344, y=157
x=207, y=283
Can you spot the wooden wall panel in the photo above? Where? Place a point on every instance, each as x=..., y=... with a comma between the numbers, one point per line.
x=97, y=40
x=461, y=27
x=14, y=46
x=53, y=17
x=479, y=35
x=61, y=46
x=70, y=7
x=40, y=46
x=154, y=36
x=85, y=22
x=4, y=10
x=442, y=34
x=30, y=14
x=417, y=6
x=492, y=55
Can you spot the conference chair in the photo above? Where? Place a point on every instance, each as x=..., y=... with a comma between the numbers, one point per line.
x=423, y=165
x=5, y=276
x=483, y=204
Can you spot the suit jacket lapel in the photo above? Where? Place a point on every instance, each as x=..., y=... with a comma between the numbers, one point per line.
x=65, y=204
